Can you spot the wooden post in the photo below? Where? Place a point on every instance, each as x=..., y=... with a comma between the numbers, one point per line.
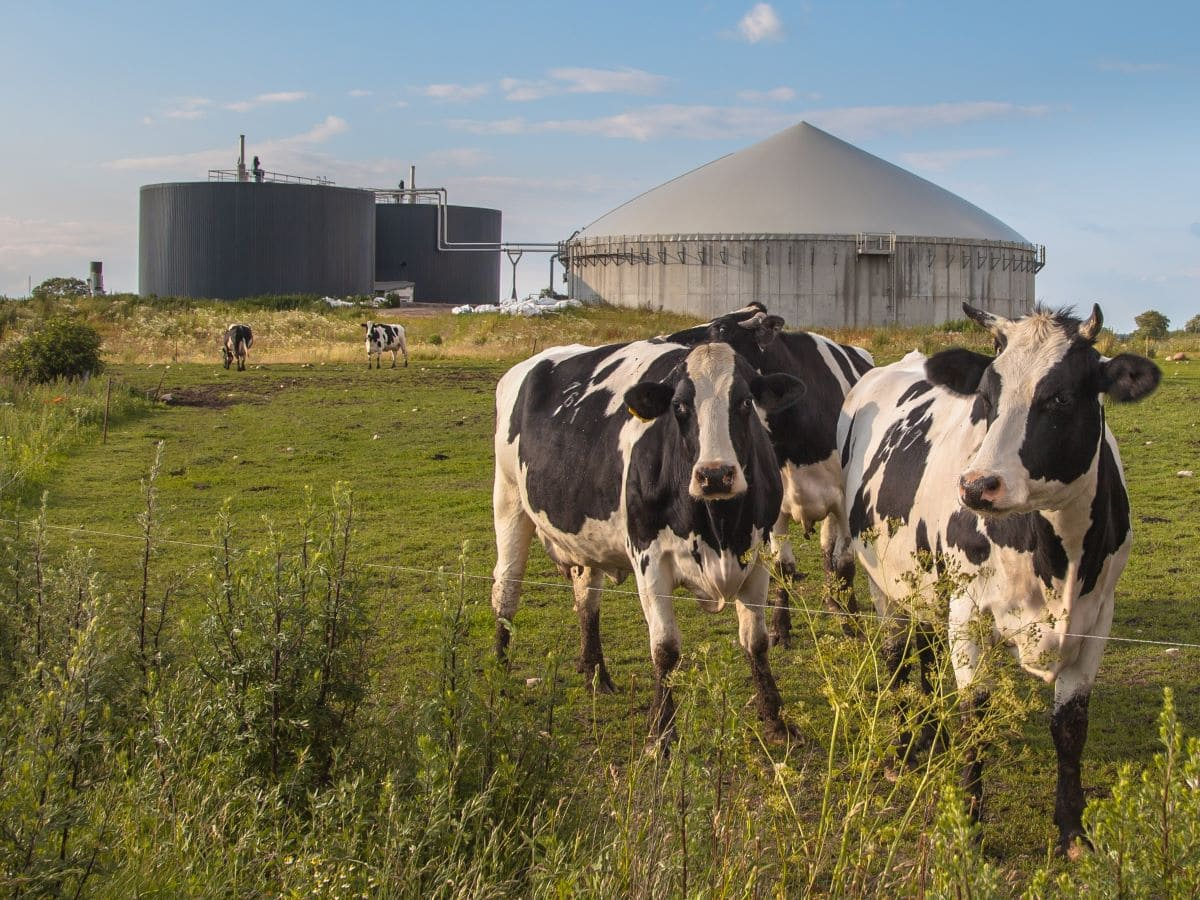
x=107, y=399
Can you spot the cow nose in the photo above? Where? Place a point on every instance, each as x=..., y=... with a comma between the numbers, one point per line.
x=715, y=479
x=980, y=491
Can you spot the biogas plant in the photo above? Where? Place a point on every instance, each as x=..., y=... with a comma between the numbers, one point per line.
x=823, y=233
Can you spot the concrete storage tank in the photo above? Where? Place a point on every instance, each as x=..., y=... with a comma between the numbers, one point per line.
x=231, y=239
x=825, y=234
x=408, y=247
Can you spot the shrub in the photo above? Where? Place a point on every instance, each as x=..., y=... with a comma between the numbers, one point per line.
x=1152, y=324
x=53, y=288
x=60, y=347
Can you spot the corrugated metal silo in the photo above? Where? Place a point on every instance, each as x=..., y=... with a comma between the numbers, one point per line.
x=240, y=239
x=407, y=248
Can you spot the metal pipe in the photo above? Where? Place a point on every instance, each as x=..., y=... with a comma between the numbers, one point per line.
x=241, y=168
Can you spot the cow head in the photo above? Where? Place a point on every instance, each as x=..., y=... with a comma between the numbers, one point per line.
x=713, y=401
x=227, y=353
x=1041, y=398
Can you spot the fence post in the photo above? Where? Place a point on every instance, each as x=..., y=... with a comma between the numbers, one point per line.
x=107, y=398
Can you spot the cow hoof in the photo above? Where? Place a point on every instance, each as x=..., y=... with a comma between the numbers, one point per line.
x=781, y=732
x=597, y=678
x=1074, y=846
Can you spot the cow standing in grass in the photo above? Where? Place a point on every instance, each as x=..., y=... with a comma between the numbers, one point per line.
x=382, y=337
x=237, y=340
x=648, y=458
x=804, y=436
x=999, y=475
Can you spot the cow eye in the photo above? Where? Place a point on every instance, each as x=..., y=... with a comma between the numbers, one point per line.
x=682, y=409
x=746, y=405
x=1062, y=401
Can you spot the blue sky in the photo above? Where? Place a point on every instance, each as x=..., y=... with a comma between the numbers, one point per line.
x=1076, y=124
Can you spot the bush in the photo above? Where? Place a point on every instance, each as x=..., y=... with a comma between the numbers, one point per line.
x=1152, y=324
x=54, y=288
x=60, y=347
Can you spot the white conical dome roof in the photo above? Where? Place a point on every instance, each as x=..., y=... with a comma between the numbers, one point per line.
x=801, y=181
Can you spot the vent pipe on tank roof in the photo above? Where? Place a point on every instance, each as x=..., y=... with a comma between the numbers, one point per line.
x=241, y=169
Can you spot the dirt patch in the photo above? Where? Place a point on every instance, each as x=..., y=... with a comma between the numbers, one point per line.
x=208, y=396
x=219, y=396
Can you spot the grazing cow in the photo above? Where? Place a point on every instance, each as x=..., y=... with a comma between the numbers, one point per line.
x=237, y=340
x=382, y=337
x=648, y=458
x=1001, y=473
x=804, y=436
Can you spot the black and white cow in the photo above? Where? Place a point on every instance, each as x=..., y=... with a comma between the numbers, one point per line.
x=237, y=340
x=382, y=337
x=1001, y=471
x=804, y=436
x=648, y=458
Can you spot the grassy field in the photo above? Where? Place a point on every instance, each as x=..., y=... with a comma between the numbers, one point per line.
x=414, y=447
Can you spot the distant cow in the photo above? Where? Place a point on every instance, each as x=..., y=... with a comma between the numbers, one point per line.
x=1000, y=473
x=648, y=458
x=237, y=340
x=804, y=436
x=382, y=337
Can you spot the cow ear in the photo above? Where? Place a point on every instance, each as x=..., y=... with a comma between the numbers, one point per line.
x=647, y=400
x=1128, y=377
x=958, y=370
x=364, y=324
x=776, y=392
x=765, y=328
x=992, y=322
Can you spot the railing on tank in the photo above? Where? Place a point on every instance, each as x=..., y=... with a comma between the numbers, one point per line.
x=882, y=244
x=267, y=177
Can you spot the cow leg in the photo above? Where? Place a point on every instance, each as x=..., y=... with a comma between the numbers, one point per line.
x=752, y=635
x=587, y=581
x=393, y=358
x=781, y=616
x=966, y=653
x=514, y=532
x=972, y=707
x=838, y=560
x=897, y=655
x=404, y=350
x=654, y=589
x=1069, y=727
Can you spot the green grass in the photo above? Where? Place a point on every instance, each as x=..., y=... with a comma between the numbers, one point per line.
x=414, y=446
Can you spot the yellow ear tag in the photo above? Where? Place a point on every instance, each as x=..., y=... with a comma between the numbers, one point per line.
x=636, y=416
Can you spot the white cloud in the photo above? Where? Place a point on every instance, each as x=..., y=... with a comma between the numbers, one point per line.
x=39, y=238
x=583, y=81
x=1131, y=68
x=761, y=23
x=941, y=160
x=189, y=108
x=774, y=95
x=865, y=121
x=516, y=125
x=460, y=157
x=320, y=132
x=608, y=81
x=262, y=99
x=454, y=93
x=359, y=92
x=286, y=152
x=521, y=90
x=714, y=122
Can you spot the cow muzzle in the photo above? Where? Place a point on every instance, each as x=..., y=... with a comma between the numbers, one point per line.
x=717, y=481
x=981, y=492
